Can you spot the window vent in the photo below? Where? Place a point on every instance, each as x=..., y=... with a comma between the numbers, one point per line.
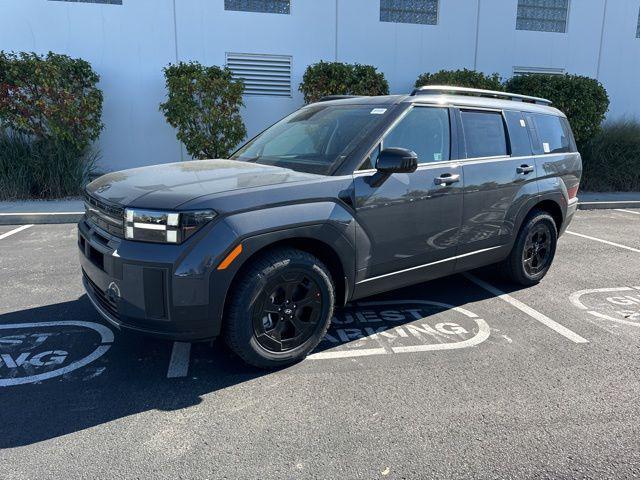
x=533, y=70
x=262, y=74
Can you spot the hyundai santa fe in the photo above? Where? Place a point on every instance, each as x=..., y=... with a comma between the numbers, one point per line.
x=342, y=199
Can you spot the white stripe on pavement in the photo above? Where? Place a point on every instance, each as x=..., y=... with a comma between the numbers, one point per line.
x=603, y=241
x=627, y=211
x=15, y=230
x=552, y=324
x=179, y=363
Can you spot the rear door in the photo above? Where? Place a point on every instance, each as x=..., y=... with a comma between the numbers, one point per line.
x=411, y=221
x=499, y=174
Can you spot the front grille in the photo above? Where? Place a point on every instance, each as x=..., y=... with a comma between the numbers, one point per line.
x=108, y=217
x=102, y=298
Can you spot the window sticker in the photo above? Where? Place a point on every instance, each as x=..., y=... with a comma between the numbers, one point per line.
x=437, y=157
x=378, y=111
x=523, y=123
x=546, y=148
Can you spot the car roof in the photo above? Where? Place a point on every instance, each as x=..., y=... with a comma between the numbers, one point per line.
x=448, y=99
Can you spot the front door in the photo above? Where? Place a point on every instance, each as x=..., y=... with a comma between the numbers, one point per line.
x=410, y=223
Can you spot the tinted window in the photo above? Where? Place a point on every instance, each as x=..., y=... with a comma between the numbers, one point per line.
x=484, y=134
x=425, y=131
x=554, y=138
x=518, y=134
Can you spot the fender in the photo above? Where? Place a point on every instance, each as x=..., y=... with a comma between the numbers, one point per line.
x=327, y=222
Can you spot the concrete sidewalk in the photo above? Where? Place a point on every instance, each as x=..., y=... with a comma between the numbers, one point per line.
x=71, y=210
x=594, y=200
x=41, y=211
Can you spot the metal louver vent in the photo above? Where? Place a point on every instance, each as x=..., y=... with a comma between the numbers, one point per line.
x=262, y=74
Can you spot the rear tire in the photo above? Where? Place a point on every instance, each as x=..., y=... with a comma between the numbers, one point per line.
x=280, y=308
x=533, y=251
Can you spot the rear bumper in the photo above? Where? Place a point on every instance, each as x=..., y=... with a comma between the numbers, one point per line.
x=136, y=289
x=572, y=207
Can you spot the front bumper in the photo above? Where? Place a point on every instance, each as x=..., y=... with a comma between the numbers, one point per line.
x=133, y=286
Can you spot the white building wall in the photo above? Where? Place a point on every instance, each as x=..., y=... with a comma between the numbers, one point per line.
x=129, y=44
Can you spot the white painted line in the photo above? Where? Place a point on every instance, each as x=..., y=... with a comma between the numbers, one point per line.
x=15, y=230
x=347, y=354
x=18, y=214
x=627, y=211
x=603, y=241
x=179, y=363
x=552, y=324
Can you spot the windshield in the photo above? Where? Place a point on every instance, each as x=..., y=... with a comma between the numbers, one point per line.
x=314, y=139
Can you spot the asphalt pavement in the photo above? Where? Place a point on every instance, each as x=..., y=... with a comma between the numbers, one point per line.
x=463, y=377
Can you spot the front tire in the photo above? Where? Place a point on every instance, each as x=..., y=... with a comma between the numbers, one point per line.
x=280, y=308
x=533, y=251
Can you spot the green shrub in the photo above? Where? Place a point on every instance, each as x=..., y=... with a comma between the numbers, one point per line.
x=461, y=78
x=204, y=104
x=50, y=113
x=611, y=159
x=583, y=100
x=336, y=78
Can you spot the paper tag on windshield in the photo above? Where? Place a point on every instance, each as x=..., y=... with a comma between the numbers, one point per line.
x=378, y=111
x=522, y=123
x=546, y=148
x=437, y=157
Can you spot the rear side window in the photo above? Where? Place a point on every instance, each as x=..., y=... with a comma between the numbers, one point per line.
x=425, y=130
x=484, y=134
x=554, y=134
x=518, y=134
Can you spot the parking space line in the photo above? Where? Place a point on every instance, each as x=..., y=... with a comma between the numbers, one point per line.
x=627, y=211
x=552, y=324
x=603, y=241
x=180, y=357
x=15, y=230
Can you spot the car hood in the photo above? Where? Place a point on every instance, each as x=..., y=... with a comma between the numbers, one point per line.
x=172, y=184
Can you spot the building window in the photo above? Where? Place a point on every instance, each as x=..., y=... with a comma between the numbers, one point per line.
x=542, y=15
x=109, y=2
x=260, y=6
x=268, y=75
x=638, y=27
x=409, y=11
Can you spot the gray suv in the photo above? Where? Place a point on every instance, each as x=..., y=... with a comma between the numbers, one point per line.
x=342, y=199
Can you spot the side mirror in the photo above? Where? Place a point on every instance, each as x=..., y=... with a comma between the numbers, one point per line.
x=397, y=160
x=393, y=160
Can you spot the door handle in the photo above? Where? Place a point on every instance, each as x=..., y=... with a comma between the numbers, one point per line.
x=524, y=169
x=446, y=179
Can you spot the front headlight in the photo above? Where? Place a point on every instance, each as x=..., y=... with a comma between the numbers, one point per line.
x=164, y=227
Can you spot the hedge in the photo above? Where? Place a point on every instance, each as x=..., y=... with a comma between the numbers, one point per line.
x=203, y=104
x=336, y=78
x=461, y=78
x=582, y=99
x=611, y=159
x=50, y=113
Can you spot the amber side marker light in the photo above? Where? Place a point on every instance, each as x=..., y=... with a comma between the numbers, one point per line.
x=230, y=258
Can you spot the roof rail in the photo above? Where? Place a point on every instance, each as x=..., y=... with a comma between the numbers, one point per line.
x=328, y=98
x=443, y=89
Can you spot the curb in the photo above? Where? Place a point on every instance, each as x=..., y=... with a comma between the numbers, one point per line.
x=608, y=205
x=39, y=218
